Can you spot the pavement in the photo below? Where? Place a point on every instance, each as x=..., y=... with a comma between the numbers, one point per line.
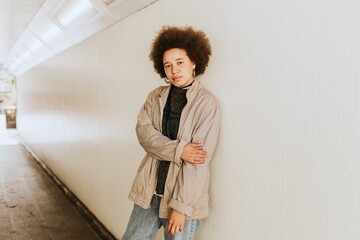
x=32, y=207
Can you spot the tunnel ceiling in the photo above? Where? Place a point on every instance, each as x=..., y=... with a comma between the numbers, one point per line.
x=15, y=16
x=33, y=31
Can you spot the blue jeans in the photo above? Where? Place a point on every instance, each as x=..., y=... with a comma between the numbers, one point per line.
x=144, y=223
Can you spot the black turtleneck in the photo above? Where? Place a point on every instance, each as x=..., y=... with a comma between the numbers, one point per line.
x=175, y=103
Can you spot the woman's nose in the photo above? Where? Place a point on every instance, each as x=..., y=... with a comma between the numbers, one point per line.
x=174, y=69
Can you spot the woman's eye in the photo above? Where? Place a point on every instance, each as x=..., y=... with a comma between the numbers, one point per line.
x=179, y=63
x=166, y=66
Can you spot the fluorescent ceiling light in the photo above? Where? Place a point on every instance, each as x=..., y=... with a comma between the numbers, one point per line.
x=35, y=46
x=50, y=33
x=26, y=54
x=18, y=61
x=60, y=24
x=75, y=12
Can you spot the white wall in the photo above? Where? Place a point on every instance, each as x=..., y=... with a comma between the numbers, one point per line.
x=287, y=75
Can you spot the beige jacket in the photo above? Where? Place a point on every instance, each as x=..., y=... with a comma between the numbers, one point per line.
x=186, y=188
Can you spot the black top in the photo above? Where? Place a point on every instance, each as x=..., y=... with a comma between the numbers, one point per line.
x=175, y=103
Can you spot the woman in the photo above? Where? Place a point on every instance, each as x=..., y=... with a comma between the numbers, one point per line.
x=178, y=127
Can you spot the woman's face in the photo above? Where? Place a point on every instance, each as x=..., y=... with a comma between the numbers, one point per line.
x=178, y=67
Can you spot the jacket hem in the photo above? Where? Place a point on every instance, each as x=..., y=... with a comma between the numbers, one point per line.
x=139, y=200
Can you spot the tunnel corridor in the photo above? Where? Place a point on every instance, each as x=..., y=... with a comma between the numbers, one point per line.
x=31, y=205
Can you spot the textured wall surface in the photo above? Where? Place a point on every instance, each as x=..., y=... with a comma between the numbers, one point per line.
x=287, y=76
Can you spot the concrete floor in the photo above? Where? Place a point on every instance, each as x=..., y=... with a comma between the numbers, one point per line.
x=32, y=207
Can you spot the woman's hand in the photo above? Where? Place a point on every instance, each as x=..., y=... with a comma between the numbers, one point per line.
x=194, y=153
x=176, y=222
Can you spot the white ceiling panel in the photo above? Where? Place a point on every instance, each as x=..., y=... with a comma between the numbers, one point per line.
x=15, y=16
x=33, y=31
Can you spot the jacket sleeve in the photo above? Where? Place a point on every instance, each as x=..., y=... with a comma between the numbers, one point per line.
x=151, y=139
x=192, y=179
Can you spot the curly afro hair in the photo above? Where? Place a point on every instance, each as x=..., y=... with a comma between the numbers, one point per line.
x=194, y=42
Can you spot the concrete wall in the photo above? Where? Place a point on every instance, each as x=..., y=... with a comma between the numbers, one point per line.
x=287, y=75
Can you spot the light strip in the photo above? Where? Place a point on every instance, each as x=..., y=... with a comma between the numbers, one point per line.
x=75, y=12
x=60, y=24
x=50, y=33
x=26, y=54
x=35, y=46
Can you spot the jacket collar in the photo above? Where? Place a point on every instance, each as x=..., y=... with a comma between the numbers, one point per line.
x=166, y=89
